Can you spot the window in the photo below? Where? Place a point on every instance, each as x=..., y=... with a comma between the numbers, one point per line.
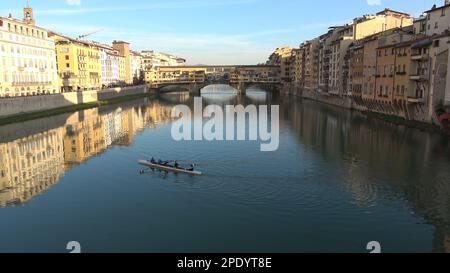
x=436, y=25
x=67, y=57
x=436, y=43
x=67, y=65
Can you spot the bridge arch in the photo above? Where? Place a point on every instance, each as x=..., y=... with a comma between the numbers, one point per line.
x=269, y=87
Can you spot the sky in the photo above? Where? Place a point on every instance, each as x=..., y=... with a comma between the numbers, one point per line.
x=205, y=31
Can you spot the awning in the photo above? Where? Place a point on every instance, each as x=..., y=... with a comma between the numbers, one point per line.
x=421, y=44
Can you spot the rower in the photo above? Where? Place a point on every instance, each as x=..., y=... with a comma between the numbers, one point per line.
x=177, y=165
x=152, y=160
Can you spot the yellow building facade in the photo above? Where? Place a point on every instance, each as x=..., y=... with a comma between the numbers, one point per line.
x=122, y=69
x=79, y=65
x=382, y=21
x=84, y=139
x=125, y=66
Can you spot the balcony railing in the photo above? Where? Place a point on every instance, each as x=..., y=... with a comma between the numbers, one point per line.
x=420, y=57
x=418, y=77
x=30, y=83
x=416, y=99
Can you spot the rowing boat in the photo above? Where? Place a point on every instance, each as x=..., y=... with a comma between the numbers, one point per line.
x=167, y=168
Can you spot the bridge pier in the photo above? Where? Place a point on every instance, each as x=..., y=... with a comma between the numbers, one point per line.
x=240, y=87
x=195, y=88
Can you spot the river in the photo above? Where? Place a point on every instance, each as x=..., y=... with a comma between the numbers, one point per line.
x=338, y=181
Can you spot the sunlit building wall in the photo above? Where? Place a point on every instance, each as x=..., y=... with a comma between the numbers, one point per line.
x=79, y=64
x=27, y=58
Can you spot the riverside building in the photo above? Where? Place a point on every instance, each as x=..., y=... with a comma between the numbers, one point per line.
x=79, y=65
x=27, y=58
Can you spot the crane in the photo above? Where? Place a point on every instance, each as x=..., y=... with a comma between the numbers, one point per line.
x=81, y=37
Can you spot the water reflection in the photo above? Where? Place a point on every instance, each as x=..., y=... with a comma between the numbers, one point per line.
x=380, y=161
x=30, y=164
x=219, y=93
x=340, y=163
x=257, y=94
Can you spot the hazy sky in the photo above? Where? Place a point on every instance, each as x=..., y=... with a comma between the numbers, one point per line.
x=205, y=31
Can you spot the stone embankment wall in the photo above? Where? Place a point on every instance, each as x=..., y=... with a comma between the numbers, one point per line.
x=345, y=102
x=417, y=112
x=30, y=104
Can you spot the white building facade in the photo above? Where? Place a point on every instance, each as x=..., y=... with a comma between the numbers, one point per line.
x=438, y=19
x=110, y=62
x=136, y=66
x=27, y=58
x=152, y=59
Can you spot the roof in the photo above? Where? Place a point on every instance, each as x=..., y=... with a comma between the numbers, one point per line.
x=68, y=39
x=421, y=18
x=393, y=11
x=404, y=44
x=427, y=41
x=387, y=46
x=434, y=8
x=120, y=42
x=423, y=43
x=18, y=21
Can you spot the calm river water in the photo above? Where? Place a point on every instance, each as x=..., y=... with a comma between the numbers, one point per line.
x=338, y=181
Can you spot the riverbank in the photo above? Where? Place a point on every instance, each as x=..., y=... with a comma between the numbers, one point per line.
x=13, y=106
x=347, y=103
x=423, y=126
x=21, y=117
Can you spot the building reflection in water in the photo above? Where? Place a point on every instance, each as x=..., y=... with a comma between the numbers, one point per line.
x=377, y=160
x=32, y=163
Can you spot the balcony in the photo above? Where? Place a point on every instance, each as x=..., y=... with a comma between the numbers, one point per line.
x=416, y=99
x=416, y=96
x=420, y=57
x=418, y=78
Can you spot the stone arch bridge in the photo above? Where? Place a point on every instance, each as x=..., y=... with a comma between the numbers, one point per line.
x=195, y=78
